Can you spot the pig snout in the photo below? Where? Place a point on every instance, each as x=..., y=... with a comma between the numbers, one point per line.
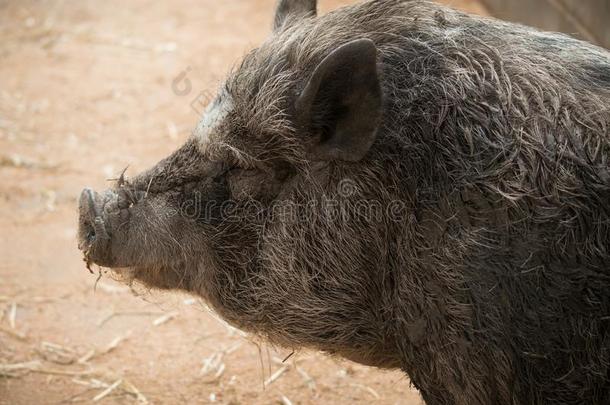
x=93, y=234
x=92, y=222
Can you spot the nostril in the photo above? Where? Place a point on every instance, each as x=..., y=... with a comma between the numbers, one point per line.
x=90, y=237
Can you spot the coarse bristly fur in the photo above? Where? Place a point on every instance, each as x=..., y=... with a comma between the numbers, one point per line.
x=493, y=284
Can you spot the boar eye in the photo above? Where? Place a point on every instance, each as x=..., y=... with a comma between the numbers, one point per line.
x=238, y=170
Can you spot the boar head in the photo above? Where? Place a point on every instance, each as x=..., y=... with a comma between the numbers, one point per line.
x=290, y=125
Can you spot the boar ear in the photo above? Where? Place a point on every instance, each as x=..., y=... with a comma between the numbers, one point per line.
x=293, y=9
x=341, y=103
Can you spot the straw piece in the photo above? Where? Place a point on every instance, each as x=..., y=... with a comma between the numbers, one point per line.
x=75, y=398
x=108, y=317
x=276, y=375
x=219, y=372
x=233, y=348
x=57, y=354
x=19, y=366
x=12, y=316
x=112, y=289
x=14, y=333
x=36, y=367
x=114, y=344
x=311, y=383
x=369, y=389
x=107, y=391
x=130, y=388
x=62, y=372
x=120, y=384
x=86, y=357
x=92, y=383
x=165, y=318
x=212, y=363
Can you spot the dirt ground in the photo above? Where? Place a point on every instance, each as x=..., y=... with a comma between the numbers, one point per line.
x=87, y=88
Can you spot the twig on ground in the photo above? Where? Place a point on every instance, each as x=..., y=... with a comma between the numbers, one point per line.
x=20, y=366
x=131, y=389
x=36, y=367
x=368, y=389
x=268, y=358
x=62, y=372
x=112, y=289
x=233, y=348
x=107, y=391
x=212, y=363
x=75, y=398
x=42, y=300
x=120, y=384
x=260, y=358
x=10, y=370
x=84, y=359
x=14, y=333
x=107, y=318
x=220, y=371
x=91, y=383
x=12, y=316
x=114, y=344
x=57, y=354
x=276, y=375
x=309, y=381
x=165, y=318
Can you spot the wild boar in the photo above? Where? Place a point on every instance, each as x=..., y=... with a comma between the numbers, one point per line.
x=400, y=184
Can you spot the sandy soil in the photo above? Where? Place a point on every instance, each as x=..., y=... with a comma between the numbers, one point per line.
x=87, y=88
